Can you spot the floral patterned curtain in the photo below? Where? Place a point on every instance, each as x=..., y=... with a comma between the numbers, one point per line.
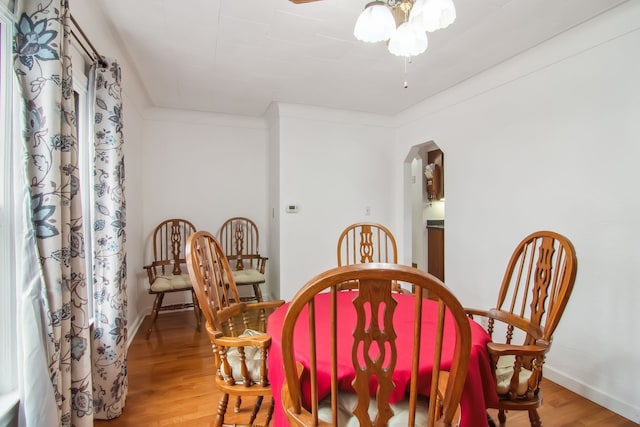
x=109, y=262
x=43, y=65
x=85, y=382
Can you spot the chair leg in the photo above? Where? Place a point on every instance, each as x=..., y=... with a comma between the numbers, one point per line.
x=534, y=417
x=257, y=291
x=157, y=303
x=502, y=417
x=270, y=412
x=256, y=408
x=196, y=311
x=222, y=409
x=236, y=407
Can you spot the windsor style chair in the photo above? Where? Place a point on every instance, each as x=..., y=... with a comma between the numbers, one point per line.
x=240, y=241
x=534, y=293
x=167, y=272
x=236, y=329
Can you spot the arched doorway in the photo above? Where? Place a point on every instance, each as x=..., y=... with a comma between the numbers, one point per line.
x=425, y=192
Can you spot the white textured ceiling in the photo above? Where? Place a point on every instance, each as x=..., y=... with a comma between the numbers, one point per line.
x=237, y=56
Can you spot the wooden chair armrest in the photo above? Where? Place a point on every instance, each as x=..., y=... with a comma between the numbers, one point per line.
x=262, y=263
x=263, y=340
x=523, y=324
x=508, y=318
x=259, y=260
x=258, y=313
x=254, y=316
x=476, y=312
x=156, y=264
x=264, y=305
x=151, y=273
x=233, y=310
x=498, y=349
x=152, y=269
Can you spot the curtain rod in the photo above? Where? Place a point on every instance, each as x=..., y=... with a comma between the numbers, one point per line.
x=86, y=44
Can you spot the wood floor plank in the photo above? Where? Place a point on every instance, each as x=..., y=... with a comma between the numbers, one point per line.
x=171, y=384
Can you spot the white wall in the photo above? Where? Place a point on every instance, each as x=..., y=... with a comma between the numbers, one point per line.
x=333, y=164
x=550, y=140
x=178, y=165
x=205, y=168
x=273, y=212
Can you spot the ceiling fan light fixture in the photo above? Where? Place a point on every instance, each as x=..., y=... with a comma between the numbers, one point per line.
x=432, y=15
x=408, y=41
x=375, y=23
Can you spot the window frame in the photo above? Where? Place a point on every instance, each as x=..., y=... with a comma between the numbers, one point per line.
x=84, y=116
x=8, y=287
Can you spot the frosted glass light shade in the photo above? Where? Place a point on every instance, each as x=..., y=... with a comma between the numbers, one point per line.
x=375, y=23
x=408, y=40
x=432, y=15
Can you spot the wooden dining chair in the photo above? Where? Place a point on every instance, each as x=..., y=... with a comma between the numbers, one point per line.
x=236, y=329
x=167, y=272
x=374, y=352
x=240, y=241
x=364, y=242
x=534, y=293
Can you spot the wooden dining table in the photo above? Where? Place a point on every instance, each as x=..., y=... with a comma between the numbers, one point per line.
x=479, y=386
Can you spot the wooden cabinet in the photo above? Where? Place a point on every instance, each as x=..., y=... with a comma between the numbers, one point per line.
x=434, y=174
x=435, y=251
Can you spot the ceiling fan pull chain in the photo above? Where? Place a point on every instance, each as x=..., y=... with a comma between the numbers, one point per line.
x=406, y=83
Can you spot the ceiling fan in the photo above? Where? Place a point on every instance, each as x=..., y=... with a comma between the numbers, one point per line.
x=402, y=24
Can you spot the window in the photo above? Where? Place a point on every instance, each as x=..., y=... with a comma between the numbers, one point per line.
x=85, y=159
x=8, y=301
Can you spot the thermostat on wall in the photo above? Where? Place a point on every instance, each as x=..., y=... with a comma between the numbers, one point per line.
x=292, y=208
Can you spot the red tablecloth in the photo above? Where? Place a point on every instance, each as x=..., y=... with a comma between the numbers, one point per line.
x=479, y=387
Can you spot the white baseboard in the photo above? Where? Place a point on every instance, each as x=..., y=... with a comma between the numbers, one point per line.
x=612, y=403
x=133, y=329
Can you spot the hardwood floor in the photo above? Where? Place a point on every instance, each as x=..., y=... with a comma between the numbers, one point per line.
x=171, y=384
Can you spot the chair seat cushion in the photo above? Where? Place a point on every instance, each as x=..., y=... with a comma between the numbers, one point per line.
x=348, y=401
x=252, y=359
x=248, y=276
x=171, y=282
x=504, y=372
